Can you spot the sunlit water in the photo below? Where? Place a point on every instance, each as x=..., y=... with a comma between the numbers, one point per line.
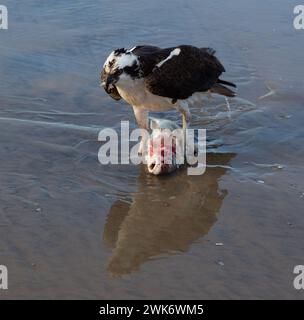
x=72, y=228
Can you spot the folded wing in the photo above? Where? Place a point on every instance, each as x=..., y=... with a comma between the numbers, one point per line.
x=181, y=71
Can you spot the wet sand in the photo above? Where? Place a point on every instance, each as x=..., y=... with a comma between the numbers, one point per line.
x=72, y=228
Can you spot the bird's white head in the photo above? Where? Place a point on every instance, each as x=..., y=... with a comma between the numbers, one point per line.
x=120, y=65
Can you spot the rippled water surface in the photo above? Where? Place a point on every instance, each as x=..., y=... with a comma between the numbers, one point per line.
x=72, y=228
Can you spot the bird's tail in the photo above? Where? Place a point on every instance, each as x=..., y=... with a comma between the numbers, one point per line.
x=220, y=88
x=226, y=83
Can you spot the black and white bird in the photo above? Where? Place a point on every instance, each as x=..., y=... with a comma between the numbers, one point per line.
x=154, y=79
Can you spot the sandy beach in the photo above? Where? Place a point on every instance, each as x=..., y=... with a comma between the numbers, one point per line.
x=71, y=228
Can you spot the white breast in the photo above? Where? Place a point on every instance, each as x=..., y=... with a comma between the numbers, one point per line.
x=136, y=94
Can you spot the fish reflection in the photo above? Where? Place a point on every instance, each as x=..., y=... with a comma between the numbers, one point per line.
x=166, y=215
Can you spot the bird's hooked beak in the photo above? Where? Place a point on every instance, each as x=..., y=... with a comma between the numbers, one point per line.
x=110, y=82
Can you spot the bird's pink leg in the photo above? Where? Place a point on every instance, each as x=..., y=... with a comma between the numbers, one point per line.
x=183, y=108
x=142, y=119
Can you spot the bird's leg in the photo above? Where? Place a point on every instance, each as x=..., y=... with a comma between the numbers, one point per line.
x=209, y=93
x=183, y=108
x=142, y=119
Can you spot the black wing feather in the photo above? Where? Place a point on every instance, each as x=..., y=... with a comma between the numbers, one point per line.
x=193, y=70
x=149, y=56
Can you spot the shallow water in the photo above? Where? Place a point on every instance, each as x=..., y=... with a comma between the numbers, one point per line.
x=72, y=228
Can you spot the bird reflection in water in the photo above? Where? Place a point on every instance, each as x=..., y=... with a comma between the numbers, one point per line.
x=165, y=216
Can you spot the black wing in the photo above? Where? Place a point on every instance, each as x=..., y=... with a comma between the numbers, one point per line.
x=192, y=70
x=149, y=56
